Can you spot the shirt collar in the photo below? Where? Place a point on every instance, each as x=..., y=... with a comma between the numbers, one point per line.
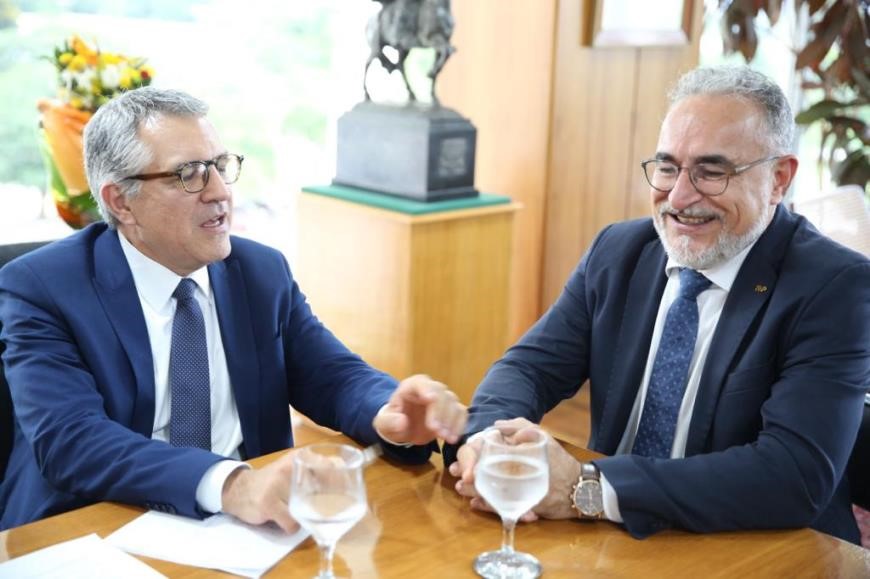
x=155, y=282
x=722, y=274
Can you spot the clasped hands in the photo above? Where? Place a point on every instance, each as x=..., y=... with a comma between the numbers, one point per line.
x=419, y=411
x=564, y=472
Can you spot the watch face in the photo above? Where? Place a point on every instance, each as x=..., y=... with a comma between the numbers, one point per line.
x=588, y=498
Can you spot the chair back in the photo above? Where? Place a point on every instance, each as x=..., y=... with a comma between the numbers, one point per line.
x=843, y=215
x=858, y=469
x=7, y=420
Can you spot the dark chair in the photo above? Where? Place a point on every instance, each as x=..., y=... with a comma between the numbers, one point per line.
x=858, y=469
x=7, y=430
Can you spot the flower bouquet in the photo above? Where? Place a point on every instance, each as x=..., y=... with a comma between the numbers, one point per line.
x=87, y=78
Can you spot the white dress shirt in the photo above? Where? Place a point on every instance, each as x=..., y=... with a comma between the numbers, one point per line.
x=710, y=304
x=155, y=285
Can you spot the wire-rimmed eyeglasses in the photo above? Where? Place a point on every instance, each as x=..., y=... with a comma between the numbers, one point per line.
x=194, y=174
x=709, y=179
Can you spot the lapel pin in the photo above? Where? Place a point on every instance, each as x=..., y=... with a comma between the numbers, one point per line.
x=760, y=289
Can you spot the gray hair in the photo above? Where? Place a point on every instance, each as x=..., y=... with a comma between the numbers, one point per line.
x=112, y=147
x=743, y=82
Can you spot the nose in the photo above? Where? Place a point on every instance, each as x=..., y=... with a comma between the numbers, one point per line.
x=684, y=193
x=215, y=189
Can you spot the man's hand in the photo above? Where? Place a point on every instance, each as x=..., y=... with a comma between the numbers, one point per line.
x=420, y=410
x=260, y=496
x=564, y=472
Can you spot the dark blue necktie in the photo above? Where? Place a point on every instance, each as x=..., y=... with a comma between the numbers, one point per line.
x=670, y=373
x=190, y=421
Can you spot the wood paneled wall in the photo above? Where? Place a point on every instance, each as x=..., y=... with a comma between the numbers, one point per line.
x=608, y=104
x=501, y=78
x=562, y=128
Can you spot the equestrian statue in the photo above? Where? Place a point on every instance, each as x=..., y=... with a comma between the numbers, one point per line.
x=407, y=24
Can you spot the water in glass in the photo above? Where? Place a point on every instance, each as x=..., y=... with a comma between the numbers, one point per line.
x=327, y=495
x=512, y=476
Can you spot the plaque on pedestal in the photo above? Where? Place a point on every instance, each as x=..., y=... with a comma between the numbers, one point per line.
x=422, y=153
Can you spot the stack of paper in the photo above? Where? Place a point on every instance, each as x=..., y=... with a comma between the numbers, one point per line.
x=219, y=542
x=88, y=557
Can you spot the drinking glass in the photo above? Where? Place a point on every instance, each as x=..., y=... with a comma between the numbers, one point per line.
x=327, y=495
x=512, y=477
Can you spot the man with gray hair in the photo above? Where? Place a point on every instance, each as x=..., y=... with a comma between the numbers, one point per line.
x=149, y=355
x=725, y=341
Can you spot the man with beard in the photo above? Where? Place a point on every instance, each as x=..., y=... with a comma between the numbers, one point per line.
x=725, y=341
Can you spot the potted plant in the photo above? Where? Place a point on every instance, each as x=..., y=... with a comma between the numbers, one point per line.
x=836, y=61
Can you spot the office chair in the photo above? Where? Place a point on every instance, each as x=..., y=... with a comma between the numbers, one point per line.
x=858, y=469
x=7, y=427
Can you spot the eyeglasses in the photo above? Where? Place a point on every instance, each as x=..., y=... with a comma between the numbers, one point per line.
x=194, y=175
x=709, y=179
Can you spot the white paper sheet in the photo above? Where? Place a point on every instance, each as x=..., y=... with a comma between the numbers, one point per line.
x=88, y=557
x=219, y=542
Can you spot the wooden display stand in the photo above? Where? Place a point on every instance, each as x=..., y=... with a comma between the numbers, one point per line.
x=410, y=293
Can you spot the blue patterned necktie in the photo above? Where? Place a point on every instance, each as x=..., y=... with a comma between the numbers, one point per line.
x=190, y=420
x=670, y=373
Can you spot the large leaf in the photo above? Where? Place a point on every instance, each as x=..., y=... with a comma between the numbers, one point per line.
x=853, y=170
x=773, y=9
x=826, y=31
x=820, y=110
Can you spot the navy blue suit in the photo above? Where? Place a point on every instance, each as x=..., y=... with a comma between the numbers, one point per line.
x=779, y=402
x=81, y=376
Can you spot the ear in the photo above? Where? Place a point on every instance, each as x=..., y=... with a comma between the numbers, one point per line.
x=783, y=173
x=117, y=203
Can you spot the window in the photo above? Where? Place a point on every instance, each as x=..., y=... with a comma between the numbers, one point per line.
x=277, y=76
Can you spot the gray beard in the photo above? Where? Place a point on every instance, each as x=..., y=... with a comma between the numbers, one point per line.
x=727, y=244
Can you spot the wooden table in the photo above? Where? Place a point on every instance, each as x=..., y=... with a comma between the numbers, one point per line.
x=419, y=527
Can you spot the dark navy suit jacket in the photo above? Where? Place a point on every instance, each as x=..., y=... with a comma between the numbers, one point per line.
x=780, y=398
x=79, y=366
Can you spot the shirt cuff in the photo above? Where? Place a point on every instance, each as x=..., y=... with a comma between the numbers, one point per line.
x=384, y=438
x=211, y=485
x=611, y=501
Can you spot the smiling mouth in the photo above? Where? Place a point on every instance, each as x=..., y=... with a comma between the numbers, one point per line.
x=691, y=220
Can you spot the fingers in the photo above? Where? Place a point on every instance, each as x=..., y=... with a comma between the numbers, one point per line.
x=420, y=410
x=260, y=496
x=445, y=414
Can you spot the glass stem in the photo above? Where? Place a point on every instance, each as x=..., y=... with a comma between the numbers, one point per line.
x=507, y=535
x=326, y=552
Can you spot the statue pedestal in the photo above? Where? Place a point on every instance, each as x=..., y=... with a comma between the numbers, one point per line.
x=421, y=153
x=410, y=292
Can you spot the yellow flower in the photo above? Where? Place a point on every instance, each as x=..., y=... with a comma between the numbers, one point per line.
x=79, y=46
x=126, y=79
x=76, y=103
x=65, y=58
x=110, y=58
x=78, y=63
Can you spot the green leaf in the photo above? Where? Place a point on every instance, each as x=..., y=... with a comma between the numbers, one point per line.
x=820, y=110
x=853, y=170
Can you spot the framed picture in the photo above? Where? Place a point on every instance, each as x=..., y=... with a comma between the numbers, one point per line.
x=636, y=22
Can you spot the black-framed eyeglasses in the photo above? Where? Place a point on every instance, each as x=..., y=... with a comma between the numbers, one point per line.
x=194, y=174
x=709, y=179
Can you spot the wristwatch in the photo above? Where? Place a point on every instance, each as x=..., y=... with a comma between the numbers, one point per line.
x=586, y=494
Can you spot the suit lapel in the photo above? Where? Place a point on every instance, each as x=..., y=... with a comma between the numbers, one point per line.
x=113, y=282
x=239, y=346
x=754, y=284
x=641, y=307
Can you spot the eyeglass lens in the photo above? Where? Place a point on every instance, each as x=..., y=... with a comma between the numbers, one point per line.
x=708, y=178
x=194, y=175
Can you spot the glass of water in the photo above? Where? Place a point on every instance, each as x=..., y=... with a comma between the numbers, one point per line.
x=327, y=495
x=512, y=477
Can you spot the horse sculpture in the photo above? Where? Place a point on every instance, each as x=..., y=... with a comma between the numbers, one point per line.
x=407, y=24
